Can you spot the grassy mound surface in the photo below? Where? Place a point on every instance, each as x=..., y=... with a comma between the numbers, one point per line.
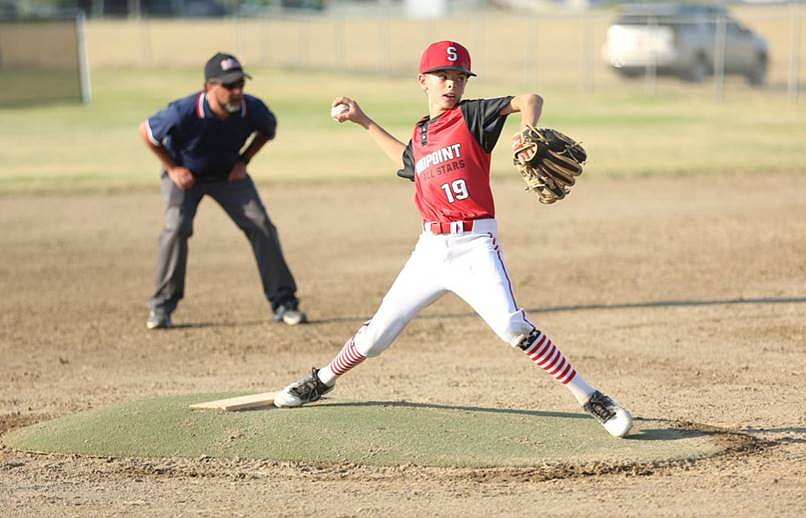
x=382, y=433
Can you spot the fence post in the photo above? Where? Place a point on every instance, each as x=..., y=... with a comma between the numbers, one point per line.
x=383, y=61
x=338, y=57
x=720, y=44
x=651, y=76
x=265, y=41
x=479, y=39
x=793, y=83
x=237, y=35
x=145, y=41
x=134, y=8
x=528, y=60
x=83, y=59
x=303, y=33
x=587, y=51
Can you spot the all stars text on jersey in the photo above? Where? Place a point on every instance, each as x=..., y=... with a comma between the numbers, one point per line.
x=444, y=154
x=445, y=168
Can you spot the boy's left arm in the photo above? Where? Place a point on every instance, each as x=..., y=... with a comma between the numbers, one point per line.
x=530, y=106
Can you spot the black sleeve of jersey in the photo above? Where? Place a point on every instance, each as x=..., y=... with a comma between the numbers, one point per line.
x=484, y=119
x=408, y=164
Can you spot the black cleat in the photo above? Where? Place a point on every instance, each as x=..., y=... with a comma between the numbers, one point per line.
x=289, y=314
x=307, y=390
x=616, y=419
x=159, y=319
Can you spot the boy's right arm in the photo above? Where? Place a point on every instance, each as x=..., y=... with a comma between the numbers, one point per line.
x=385, y=140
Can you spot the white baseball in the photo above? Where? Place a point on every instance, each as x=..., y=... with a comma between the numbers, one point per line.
x=338, y=110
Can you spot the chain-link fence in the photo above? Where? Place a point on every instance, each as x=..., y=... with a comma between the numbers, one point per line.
x=43, y=60
x=550, y=49
x=154, y=8
x=751, y=47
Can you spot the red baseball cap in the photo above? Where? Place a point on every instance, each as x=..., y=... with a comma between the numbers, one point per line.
x=445, y=55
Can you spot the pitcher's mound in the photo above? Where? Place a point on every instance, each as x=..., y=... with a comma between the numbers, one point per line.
x=370, y=433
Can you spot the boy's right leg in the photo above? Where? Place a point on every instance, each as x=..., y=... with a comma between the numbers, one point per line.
x=180, y=209
x=417, y=286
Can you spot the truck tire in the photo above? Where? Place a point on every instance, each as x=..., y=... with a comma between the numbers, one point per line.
x=757, y=75
x=698, y=71
x=631, y=73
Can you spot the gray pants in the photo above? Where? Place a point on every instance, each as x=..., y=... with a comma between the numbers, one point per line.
x=241, y=201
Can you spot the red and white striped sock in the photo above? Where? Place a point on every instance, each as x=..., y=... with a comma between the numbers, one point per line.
x=542, y=351
x=347, y=358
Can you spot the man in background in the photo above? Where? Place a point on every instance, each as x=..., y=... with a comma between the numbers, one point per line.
x=199, y=140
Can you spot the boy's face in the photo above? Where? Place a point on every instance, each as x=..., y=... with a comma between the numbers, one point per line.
x=444, y=88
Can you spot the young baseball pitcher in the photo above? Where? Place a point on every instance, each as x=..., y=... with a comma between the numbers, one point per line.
x=448, y=158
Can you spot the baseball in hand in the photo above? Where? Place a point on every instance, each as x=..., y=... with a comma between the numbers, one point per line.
x=338, y=110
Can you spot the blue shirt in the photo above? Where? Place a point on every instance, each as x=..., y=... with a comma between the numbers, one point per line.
x=207, y=145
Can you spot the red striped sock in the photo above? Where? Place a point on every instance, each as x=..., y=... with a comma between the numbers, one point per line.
x=548, y=357
x=347, y=358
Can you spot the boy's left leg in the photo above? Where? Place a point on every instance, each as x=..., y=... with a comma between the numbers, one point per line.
x=417, y=285
x=616, y=419
x=242, y=203
x=480, y=277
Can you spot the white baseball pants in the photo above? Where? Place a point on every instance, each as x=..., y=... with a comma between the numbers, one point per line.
x=467, y=263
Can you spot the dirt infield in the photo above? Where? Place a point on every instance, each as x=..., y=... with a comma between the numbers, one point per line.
x=684, y=298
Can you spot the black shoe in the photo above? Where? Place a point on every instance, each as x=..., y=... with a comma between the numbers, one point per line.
x=289, y=314
x=615, y=418
x=159, y=319
x=307, y=390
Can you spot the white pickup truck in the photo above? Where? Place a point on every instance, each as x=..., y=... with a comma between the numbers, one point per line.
x=687, y=41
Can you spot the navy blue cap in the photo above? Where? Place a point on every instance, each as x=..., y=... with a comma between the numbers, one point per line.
x=224, y=68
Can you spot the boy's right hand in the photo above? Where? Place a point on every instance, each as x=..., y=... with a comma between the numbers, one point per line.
x=354, y=113
x=389, y=144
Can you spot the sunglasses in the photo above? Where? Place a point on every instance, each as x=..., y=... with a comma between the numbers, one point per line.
x=232, y=86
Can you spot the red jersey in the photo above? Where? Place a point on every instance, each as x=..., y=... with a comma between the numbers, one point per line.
x=448, y=158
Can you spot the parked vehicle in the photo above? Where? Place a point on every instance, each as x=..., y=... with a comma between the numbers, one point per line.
x=684, y=41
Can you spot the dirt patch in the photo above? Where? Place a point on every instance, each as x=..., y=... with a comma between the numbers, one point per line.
x=685, y=304
x=12, y=421
x=735, y=445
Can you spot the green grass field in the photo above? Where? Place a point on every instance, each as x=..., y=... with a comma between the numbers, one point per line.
x=680, y=130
